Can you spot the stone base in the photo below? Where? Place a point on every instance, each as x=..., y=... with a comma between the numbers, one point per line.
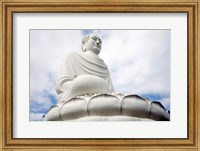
x=110, y=118
x=108, y=107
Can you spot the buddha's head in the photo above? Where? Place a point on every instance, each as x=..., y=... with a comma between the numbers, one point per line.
x=92, y=43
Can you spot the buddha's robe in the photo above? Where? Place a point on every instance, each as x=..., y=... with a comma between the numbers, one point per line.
x=83, y=74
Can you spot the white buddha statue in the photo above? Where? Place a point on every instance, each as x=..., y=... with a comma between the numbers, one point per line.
x=85, y=92
x=84, y=73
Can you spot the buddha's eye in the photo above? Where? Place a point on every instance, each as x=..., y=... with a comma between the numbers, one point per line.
x=94, y=38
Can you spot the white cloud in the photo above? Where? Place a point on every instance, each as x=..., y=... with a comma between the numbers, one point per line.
x=36, y=116
x=139, y=60
x=47, y=48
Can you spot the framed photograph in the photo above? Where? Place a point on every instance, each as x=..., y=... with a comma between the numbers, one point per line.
x=150, y=49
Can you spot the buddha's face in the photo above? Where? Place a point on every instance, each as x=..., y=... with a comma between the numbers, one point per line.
x=93, y=44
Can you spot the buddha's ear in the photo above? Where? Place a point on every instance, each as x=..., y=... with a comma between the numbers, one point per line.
x=83, y=47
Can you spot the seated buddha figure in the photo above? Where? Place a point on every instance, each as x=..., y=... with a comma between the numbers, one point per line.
x=85, y=92
x=84, y=73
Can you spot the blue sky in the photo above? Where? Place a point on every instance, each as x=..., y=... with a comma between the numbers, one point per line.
x=138, y=60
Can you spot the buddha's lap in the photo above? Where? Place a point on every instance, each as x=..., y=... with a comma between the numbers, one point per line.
x=87, y=84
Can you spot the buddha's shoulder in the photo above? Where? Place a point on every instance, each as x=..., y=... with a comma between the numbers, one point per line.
x=73, y=54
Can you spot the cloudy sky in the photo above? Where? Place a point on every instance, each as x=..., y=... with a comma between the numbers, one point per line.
x=138, y=60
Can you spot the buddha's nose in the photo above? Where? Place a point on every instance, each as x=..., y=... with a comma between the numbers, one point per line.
x=98, y=42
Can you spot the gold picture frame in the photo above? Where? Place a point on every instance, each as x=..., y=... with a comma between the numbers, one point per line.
x=8, y=7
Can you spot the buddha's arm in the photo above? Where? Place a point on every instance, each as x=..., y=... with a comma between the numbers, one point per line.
x=110, y=83
x=66, y=77
x=63, y=85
